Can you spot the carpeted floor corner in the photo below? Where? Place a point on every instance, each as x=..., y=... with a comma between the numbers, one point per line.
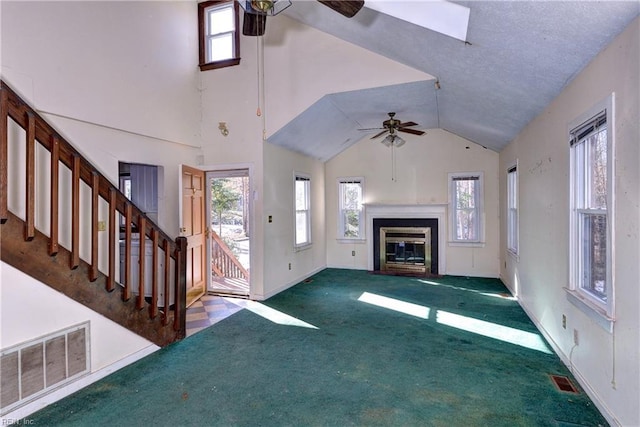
x=374, y=351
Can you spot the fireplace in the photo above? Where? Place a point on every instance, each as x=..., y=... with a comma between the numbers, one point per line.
x=405, y=249
x=432, y=217
x=405, y=245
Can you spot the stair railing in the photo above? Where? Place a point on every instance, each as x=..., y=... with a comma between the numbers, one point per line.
x=172, y=253
x=223, y=261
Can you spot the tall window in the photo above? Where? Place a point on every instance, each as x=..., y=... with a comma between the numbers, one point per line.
x=350, y=221
x=303, y=210
x=466, y=207
x=512, y=209
x=219, y=37
x=591, y=229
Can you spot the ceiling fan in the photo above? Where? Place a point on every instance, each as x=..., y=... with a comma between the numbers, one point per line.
x=393, y=126
x=256, y=12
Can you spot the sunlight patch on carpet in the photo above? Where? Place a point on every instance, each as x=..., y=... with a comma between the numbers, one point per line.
x=502, y=295
x=493, y=330
x=488, y=329
x=273, y=315
x=393, y=304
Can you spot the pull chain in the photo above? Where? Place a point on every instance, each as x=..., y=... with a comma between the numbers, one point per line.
x=393, y=163
x=260, y=111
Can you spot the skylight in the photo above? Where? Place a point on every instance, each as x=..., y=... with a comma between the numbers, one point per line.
x=438, y=15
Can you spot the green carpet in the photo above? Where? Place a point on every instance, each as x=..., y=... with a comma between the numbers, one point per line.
x=365, y=364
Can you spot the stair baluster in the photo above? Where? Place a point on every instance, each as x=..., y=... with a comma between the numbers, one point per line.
x=162, y=331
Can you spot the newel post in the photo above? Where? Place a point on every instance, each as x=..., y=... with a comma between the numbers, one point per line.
x=180, y=319
x=4, y=143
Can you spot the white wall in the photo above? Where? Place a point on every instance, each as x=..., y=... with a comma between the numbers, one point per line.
x=421, y=177
x=301, y=65
x=120, y=81
x=607, y=364
x=126, y=65
x=117, y=79
x=42, y=310
x=279, y=203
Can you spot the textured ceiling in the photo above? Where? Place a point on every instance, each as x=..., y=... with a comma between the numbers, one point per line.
x=517, y=59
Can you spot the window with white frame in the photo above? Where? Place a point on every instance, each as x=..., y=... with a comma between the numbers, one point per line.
x=350, y=211
x=591, y=183
x=512, y=209
x=466, y=212
x=303, y=210
x=219, y=38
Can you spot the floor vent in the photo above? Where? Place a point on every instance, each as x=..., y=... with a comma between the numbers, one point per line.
x=33, y=368
x=564, y=384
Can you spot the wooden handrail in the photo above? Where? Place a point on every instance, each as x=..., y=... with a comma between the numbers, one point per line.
x=223, y=261
x=38, y=130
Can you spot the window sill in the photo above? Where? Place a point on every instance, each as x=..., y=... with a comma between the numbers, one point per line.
x=595, y=313
x=219, y=64
x=302, y=247
x=467, y=244
x=353, y=240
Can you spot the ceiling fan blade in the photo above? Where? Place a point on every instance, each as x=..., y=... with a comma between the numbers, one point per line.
x=346, y=8
x=402, y=125
x=411, y=131
x=378, y=134
x=370, y=128
x=254, y=24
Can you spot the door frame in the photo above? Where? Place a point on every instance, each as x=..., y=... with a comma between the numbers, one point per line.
x=252, y=197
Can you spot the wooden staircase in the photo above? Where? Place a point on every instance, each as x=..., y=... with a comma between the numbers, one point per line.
x=158, y=315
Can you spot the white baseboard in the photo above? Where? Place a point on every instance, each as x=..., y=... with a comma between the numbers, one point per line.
x=262, y=297
x=13, y=417
x=602, y=407
x=475, y=274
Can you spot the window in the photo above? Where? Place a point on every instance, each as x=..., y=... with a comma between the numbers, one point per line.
x=125, y=187
x=466, y=212
x=218, y=33
x=303, y=210
x=512, y=209
x=350, y=220
x=591, y=185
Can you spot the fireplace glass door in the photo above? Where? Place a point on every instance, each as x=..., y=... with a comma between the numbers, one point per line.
x=405, y=249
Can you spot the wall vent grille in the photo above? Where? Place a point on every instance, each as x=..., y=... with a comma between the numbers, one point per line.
x=34, y=368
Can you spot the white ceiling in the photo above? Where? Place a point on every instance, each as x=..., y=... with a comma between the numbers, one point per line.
x=517, y=58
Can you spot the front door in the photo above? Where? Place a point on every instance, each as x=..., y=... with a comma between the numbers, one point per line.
x=194, y=229
x=229, y=218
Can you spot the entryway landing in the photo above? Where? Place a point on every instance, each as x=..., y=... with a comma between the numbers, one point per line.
x=209, y=310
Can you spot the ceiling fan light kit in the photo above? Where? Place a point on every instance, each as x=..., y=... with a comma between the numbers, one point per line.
x=393, y=140
x=393, y=126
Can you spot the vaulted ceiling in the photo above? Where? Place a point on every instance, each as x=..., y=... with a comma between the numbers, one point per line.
x=517, y=57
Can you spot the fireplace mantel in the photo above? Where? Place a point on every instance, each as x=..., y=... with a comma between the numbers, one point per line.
x=430, y=211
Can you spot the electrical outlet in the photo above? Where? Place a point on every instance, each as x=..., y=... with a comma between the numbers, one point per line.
x=102, y=226
x=270, y=218
x=564, y=322
x=353, y=253
x=289, y=266
x=575, y=337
